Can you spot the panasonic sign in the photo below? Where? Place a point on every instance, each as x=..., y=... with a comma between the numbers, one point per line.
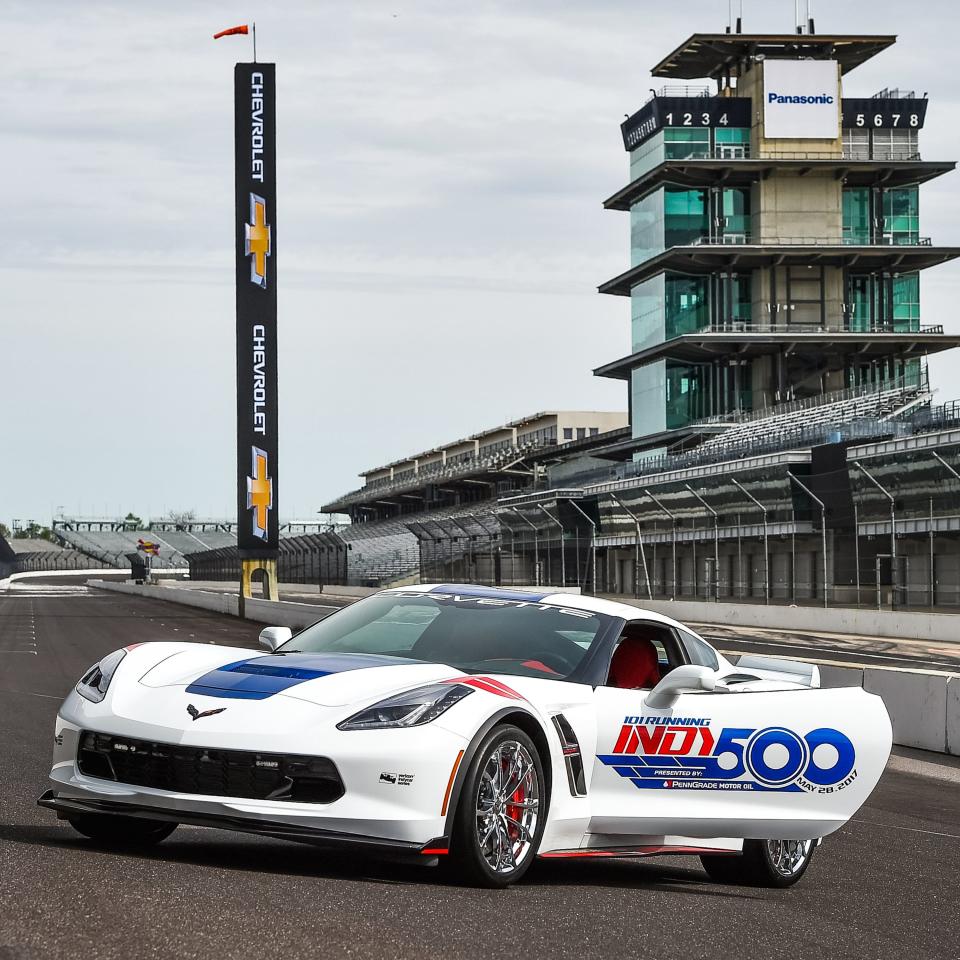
x=801, y=99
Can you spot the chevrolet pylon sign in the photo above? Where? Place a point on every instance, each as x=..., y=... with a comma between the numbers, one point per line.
x=801, y=99
x=256, y=278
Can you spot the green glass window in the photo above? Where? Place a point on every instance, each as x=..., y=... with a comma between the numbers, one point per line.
x=898, y=208
x=686, y=216
x=901, y=214
x=646, y=399
x=859, y=317
x=730, y=142
x=687, y=305
x=683, y=143
x=647, y=310
x=732, y=134
x=741, y=309
x=735, y=215
x=696, y=391
x=906, y=302
x=647, y=156
x=685, y=394
x=884, y=302
x=856, y=215
x=647, y=227
x=889, y=370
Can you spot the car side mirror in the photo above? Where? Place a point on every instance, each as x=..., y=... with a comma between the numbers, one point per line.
x=272, y=637
x=689, y=678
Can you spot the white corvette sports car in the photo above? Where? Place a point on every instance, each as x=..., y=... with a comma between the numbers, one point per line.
x=474, y=727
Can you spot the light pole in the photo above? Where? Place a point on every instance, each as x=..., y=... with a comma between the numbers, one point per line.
x=956, y=476
x=563, y=562
x=536, y=545
x=893, y=529
x=641, y=555
x=766, y=540
x=593, y=546
x=673, y=521
x=716, y=544
x=823, y=528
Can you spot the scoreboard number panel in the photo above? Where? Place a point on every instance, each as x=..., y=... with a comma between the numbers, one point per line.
x=857, y=113
x=663, y=112
x=880, y=114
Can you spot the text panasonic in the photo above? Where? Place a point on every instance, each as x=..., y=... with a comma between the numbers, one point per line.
x=784, y=98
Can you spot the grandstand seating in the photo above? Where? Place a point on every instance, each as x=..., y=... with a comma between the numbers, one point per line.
x=847, y=407
x=110, y=547
x=384, y=551
x=380, y=551
x=436, y=472
x=38, y=555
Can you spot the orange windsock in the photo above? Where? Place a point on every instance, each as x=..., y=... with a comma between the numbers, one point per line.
x=229, y=33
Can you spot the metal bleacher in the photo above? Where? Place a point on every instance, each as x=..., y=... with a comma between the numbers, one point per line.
x=111, y=547
x=34, y=554
x=385, y=551
x=847, y=406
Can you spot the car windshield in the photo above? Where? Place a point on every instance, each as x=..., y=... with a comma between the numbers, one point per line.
x=473, y=634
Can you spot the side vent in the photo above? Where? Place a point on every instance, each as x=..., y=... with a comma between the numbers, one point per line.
x=571, y=755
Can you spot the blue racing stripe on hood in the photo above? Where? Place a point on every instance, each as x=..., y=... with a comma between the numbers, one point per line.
x=488, y=593
x=260, y=677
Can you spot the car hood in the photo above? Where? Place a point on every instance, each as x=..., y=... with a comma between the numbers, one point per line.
x=326, y=679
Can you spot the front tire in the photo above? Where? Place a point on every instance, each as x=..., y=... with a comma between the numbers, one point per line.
x=502, y=811
x=121, y=831
x=764, y=863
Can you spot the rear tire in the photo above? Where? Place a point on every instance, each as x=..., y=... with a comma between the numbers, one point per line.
x=502, y=811
x=121, y=831
x=764, y=863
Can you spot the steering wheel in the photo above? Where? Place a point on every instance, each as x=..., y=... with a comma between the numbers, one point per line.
x=554, y=660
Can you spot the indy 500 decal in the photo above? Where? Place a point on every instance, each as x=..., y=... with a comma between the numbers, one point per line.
x=687, y=753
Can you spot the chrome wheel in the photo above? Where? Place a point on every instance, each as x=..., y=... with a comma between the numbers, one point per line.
x=508, y=800
x=787, y=857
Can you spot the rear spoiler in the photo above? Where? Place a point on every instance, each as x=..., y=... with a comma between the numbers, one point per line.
x=775, y=668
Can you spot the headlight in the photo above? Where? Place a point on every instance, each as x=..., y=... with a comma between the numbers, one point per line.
x=93, y=684
x=410, y=709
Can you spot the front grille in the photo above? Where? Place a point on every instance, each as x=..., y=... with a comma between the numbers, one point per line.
x=220, y=773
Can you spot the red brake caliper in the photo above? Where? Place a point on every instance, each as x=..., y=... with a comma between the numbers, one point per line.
x=514, y=812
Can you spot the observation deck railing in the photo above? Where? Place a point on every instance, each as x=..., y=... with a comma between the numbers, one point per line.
x=743, y=151
x=879, y=327
x=846, y=240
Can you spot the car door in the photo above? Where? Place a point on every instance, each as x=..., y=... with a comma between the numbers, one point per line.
x=763, y=763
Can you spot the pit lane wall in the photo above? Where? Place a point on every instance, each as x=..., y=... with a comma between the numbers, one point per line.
x=924, y=705
x=894, y=624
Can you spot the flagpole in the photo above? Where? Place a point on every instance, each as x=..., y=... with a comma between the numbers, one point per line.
x=254, y=42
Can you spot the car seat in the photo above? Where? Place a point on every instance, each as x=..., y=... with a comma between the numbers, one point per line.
x=635, y=664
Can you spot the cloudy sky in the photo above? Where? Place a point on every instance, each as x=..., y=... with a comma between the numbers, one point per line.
x=441, y=170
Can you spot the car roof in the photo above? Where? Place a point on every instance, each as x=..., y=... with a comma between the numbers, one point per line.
x=545, y=595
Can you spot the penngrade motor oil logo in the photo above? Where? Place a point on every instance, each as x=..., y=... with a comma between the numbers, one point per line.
x=688, y=753
x=257, y=240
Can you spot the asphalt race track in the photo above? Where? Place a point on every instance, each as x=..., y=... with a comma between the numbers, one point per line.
x=885, y=886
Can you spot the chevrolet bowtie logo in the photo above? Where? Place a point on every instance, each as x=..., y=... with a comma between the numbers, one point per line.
x=257, y=240
x=200, y=714
x=259, y=493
